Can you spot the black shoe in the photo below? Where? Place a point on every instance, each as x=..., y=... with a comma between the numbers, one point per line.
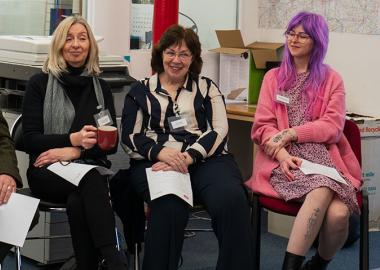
x=119, y=263
x=292, y=261
x=316, y=263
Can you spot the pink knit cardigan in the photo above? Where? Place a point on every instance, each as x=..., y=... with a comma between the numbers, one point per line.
x=328, y=117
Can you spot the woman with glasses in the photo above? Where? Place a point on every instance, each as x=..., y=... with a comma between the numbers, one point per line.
x=176, y=121
x=300, y=116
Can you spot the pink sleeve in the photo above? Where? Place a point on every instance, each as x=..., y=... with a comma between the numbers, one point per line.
x=328, y=128
x=265, y=124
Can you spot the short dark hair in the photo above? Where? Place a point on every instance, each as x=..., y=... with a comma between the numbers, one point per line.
x=176, y=34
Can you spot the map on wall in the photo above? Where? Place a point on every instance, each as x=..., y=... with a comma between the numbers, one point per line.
x=347, y=16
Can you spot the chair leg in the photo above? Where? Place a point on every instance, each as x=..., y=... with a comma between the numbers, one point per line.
x=137, y=257
x=117, y=239
x=18, y=257
x=364, y=228
x=256, y=229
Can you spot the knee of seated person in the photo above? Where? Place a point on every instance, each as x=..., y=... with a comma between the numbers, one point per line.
x=73, y=202
x=93, y=180
x=338, y=216
x=170, y=206
x=321, y=194
x=228, y=198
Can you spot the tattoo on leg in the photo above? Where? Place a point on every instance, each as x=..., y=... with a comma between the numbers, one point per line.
x=311, y=223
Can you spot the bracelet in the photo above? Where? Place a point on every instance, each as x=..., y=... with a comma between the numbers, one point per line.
x=82, y=151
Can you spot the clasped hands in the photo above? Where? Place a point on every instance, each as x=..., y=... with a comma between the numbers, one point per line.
x=86, y=138
x=171, y=159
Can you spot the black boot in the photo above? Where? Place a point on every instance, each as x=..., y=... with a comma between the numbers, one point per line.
x=292, y=261
x=113, y=259
x=316, y=263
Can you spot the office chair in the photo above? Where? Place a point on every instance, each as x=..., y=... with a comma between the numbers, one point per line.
x=352, y=133
x=43, y=206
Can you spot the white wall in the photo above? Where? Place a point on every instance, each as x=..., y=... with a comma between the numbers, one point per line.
x=110, y=19
x=356, y=57
x=199, y=10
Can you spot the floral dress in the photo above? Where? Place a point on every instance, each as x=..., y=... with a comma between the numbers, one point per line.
x=314, y=152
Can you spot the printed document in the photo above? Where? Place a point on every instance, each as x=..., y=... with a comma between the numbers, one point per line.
x=308, y=167
x=74, y=172
x=169, y=182
x=16, y=217
x=233, y=75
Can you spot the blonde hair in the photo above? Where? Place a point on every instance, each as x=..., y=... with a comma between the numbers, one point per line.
x=55, y=63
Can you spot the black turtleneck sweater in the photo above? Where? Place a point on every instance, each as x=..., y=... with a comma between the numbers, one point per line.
x=81, y=92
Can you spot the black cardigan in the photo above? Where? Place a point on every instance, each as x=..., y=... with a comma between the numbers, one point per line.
x=81, y=92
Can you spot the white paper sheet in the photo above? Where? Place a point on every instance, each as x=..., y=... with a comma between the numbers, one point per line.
x=169, y=182
x=16, y=217
x=233, y=74
x=74, y=172
x=308, y=167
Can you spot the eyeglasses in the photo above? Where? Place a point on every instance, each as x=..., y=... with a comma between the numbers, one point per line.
x=301, y=37
x=183, y=56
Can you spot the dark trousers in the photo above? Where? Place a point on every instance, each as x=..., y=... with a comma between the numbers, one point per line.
x=89, y=211
x=4, y=249
x=217, y=184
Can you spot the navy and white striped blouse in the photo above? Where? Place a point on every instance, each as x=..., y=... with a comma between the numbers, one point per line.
x=147, y=107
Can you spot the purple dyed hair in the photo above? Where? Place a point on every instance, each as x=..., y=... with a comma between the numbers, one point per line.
x=316, y=27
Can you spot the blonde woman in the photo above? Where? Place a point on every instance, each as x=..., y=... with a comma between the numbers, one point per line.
x=59, y=125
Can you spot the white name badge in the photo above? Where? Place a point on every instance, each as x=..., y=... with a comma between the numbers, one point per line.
x=103, y=118
x=282, y=99
x=179, y=123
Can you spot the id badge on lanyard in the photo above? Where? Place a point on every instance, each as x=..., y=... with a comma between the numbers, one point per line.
x=177, y=122
x=103, y=118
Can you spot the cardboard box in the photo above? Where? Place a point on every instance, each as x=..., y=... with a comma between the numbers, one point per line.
x=370, y=142
x=242, y=67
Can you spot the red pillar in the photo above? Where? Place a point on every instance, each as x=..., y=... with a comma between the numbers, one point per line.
x=165, y=14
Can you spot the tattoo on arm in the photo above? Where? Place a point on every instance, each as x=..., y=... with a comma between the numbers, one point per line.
x=311, y=223
x=279, y=137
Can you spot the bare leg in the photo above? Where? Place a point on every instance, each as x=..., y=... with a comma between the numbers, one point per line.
x=334, y=229
x=309, y=220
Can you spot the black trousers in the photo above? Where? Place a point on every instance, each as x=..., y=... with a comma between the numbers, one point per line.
x=90, y=215
x=217, y=184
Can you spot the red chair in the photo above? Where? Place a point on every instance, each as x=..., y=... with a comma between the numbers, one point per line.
x=279, y=206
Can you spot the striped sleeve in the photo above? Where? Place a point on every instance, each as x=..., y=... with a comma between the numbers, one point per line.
x=216, y=133
x=133, y=131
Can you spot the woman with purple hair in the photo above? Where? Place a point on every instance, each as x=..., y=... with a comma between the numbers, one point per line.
x=300, y=116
